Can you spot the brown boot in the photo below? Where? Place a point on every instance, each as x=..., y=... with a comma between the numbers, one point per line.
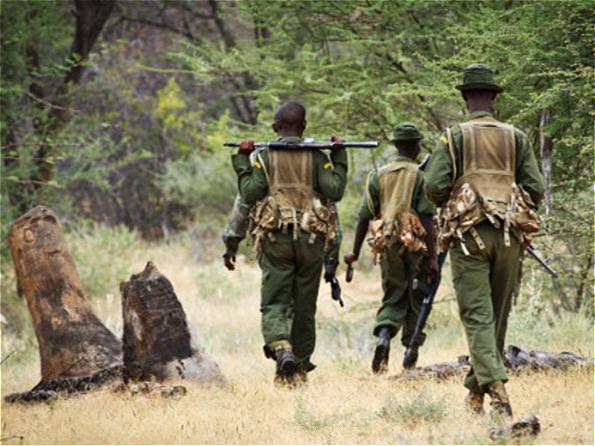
x=500, y=402
x=474, y=403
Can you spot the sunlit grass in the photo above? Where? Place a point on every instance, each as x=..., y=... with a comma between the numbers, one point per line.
x=342, y=403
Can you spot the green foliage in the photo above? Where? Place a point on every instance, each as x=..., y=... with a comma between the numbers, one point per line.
x=360, y=67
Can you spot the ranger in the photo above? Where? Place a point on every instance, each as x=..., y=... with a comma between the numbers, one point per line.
x=293, y=224
x=484, y=175
x=239, y=223
x=402, y=234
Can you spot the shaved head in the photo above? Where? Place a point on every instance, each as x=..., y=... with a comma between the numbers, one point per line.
x=290, y=119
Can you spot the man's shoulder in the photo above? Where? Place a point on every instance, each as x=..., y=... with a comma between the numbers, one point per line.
x=519, y=133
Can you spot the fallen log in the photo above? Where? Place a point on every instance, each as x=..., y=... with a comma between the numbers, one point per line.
x=516, y=360
x=157, y=342
x=77, y=351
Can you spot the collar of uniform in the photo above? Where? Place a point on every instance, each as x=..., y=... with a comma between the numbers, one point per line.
x=481, y=114
x=404, y=158
x=289, y=139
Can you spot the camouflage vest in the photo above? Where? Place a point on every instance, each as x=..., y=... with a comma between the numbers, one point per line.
x=486, y=188
x=292, y=201
x=398, y=222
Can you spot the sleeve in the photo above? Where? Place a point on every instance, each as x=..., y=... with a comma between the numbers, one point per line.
x=331, y=175
x=438, y=175
x=527, y=173
x=370, y=207
x=235, y=230
x=422, y=204
x=252, y=182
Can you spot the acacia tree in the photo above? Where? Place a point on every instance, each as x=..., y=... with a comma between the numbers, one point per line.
x=361, y=66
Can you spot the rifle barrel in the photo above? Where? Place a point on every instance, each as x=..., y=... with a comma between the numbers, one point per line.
x=280, y=145
x=543, y=263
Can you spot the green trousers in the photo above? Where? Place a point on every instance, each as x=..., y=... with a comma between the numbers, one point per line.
x=400, y=304
x=291, y=271
x=484, y=282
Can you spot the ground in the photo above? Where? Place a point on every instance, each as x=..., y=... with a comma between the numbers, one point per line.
x=342, y=403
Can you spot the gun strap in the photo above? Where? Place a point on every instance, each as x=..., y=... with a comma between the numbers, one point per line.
x=451, y=150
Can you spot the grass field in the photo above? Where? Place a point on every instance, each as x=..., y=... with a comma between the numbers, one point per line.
x=342, y=403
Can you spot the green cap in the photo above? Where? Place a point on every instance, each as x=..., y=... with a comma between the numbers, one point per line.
x=479, y=77
x=407, y=131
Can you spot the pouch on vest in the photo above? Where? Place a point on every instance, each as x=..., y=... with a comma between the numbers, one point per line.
x=292, y=201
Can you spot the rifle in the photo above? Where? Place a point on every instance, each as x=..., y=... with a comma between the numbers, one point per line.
x=330, y=277
x=429, y=291
x=279, y=145
x=544, y=263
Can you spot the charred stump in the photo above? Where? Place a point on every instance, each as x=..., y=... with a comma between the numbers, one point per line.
x=77, y=351
x=157, y=342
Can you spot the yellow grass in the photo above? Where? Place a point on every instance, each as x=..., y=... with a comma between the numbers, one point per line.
x=342, y=403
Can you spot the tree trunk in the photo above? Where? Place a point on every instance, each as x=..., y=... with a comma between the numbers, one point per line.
x=546, y=149
x=91, y=16
x=73, y=343
x=157, y=340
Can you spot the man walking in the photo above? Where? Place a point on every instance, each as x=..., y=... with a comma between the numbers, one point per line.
x=293, y=225
x=403, y=232
x=484, y=175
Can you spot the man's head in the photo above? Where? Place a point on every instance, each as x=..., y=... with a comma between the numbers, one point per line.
x=290, y=119
x=479, y=87
x=407, y=139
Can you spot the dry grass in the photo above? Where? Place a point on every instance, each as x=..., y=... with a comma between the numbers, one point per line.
x=343, y=402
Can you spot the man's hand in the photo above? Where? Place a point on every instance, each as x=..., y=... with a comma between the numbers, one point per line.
x=432, y=269
x=336, y=138
x=246, y=147
x=350, y=258
x=229, y=259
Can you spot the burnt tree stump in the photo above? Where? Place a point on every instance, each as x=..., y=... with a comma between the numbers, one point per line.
x=77, y=351
x=157, y=342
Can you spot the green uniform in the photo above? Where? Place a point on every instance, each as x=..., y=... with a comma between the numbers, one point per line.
x=291, y=265
x=486, y=278
x=400, y=305
x=235, y=230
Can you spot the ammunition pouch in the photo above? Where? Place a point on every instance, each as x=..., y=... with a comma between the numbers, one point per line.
x=319, y=221
x=407, y=232
x=466, y=209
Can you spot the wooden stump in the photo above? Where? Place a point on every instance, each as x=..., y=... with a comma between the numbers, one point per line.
x=157, y=342
x=75, y=347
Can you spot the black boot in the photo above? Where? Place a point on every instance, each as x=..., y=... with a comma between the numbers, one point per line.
x=380, y=361
x=286, y=365
x=410, y=357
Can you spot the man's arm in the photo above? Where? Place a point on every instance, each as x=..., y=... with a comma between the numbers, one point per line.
x=369, y=209
x=527, y=172
x=426, y=211
x=252, y=182
x=235, y=232
x=438, y=175
x=427, y=221
x=331, y=175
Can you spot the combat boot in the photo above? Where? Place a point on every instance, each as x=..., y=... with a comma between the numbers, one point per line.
x=410, y=357
x=380, y=360
x=500, y=402
x=474, y=403
x=286, y=365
